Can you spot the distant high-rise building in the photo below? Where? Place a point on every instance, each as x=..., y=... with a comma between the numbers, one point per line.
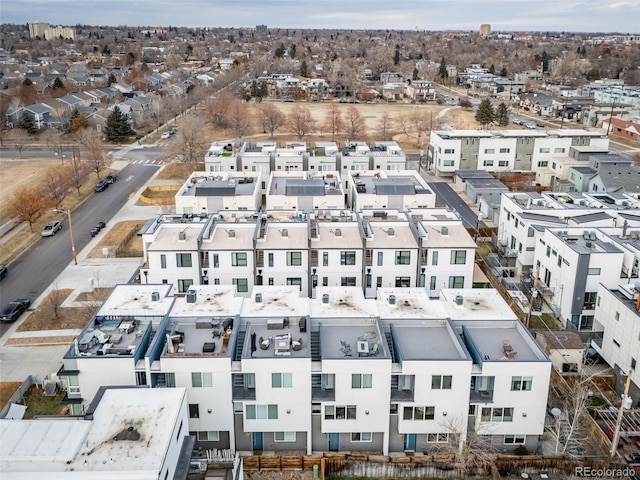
x=261, y=28
x=485, y=29
x=45, y=31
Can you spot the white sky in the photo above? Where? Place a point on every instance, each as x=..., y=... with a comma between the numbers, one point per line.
x=507, y=15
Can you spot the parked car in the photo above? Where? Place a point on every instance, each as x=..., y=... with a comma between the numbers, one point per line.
x=517, y=121
x=51, y=228
x=530, y=126
x=94, y=231
x=101, y=224
x=12, y=311
x=4, y=271
x=112, y=177
x=166, y=135
x=101, y=185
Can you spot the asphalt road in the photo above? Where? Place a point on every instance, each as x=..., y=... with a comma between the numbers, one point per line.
x=37, y=268
x=447, y=197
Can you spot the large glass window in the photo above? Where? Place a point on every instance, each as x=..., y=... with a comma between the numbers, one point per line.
x=458, y=257
x=201, y=379
x=380, y=258
x=184, y=284
x=441, y=382
x=347, y=281
x=163, y=260
x=403, y=257
x=403, y=282
x=281, y=380
x=294, y=259
x=361, y=437
x=284, y=436
x=347, y=258
x=262, y=412
x=183, y=259
x=239, y=259
x=270, y=259
x=242, y=284
x=361, y=380
x=521, y=383
x=456, y=282
x=419, y=413
x=340, y=412
x=210, y=436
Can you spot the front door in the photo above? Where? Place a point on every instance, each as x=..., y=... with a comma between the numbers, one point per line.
x=409, y=442
x=334, y=442
x=257, y=440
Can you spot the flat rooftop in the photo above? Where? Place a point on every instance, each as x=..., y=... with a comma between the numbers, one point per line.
x=139, y=301
x=477, y=304
x=306, y=187
x=210, y=301
x=338, y=235
x=177, y=237
x=454, y=236
x=409, y=303
x=342, y=302
x=285, y=235
x=428, y=340
x=231, y=236
x=352, y=340
x=277, y=338
x=391, y=236
x=491, y=337
x=209, y=187
x=82, y=448
x=393, y=185
x=276, y=301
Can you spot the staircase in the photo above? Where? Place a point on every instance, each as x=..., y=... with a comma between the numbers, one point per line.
x=316, y=381
x=238, y=381
x=390, y=345
x=394, y=383
x=260, y=258
x=314, y=258
x=315, y=347
x=239, y=345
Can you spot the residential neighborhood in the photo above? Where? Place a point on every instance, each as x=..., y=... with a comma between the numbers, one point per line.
x=305, y=253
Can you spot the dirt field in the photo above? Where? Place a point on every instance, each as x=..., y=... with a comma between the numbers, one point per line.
x=6, y=390
x=114, y=237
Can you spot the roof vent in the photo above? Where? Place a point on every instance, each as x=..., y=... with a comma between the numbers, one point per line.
x=284, y=232
x=444, y=231
x=338, y=232
x=258, y=297
x=391, y=232
x=182, y=235
x=459, y=299
x=392, y=299
x=191, y=296
x=231, y=233
x=325, y=298
x=155, y=296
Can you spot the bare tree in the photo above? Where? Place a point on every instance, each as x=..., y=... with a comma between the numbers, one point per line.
x=300, y=121
x=239, y=118
x=216, y=109
x=76, y=171
x=271, y=118
x=27, y=204
x=56, y=184
x=18, y=140
x=333, y=121
x=95, y=155
x=416, y=125
x=55, y=299
x=385, y=126
x=190, y=144
x=354, y=123
x=53, y=139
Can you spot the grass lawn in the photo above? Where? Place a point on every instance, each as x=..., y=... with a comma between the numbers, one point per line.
x=544, y=321
x=38, y=404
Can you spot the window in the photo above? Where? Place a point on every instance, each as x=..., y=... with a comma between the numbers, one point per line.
x=284, y=436
x=239, y=259
x=297, y=281
x=403, y=257
x=448, y=163
x=201, y=379
x=336, y=412
x=441, y=382
x=73, y=385
x=262, y=412
x=617, y=316
x=347, y=281
x=179, y=430
x=361, y=437
x=558, y=150
x=432, y=283
x=449, y=150
x=543, y=163
x=503, y=163
x=361, y=380
x=458, y=257
x=530, y=232
x=419, y=413
x=242, y=284
x=497, y=415
x=163, y=260
x=437, y=438
x=590, y=300
x=393, y=409
x=325, y=259
x=316, y=408
x=505, y=150
x=294, y=259
x=378, y=282
x=434, y=258
x=521, y=384
x=403, y=282
x=281, y=380
x=184, y=284
x=456, y=282
x=216, y=260
x=586, y=322
x=593, y=271
x=545, y=150
x=270, y=259
x=194, y=410
x=183, y=259
x=347, y=258
x=514, y=439
x=211, y=436
x=489, y=151
x=487, y=163
x=325, y=281
x=380, y=258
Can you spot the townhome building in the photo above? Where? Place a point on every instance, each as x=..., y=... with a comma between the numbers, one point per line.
x=291, y=158
x=205, y=192
x=338, y=372
x=323, y=157
x=387, y=156
x=257, y=158
x=507, y=150
x=402, y=190
x=304, y=191
x=220, y=157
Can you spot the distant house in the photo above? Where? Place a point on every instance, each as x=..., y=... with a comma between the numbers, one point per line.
x=622, y=128
x=537, y=103
x=420, y=90
x=38, y=112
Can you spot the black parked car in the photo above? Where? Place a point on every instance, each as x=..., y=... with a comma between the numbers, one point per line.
x=4, y=271
x=95, y=231
x=101, y=185
x=13, y=310
x=112, y=177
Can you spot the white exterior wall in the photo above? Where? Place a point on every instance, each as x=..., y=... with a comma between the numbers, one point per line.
x=218, y=398
x=226, y=272
x=334, y=271
x=287, y=161
x=172, y=273
x=327, y=163
x=389, y=270
x=445, y=269
x=551, y=143
x=96, y=372
x=281, y=271
x=446, y=162
x=496, y=144
x=624, y=331
x=220, y=163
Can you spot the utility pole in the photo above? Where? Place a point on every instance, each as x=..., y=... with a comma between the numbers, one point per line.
x=626, y=403
x=73, y=243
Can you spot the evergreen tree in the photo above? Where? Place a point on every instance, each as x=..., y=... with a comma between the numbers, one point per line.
x=492, y=69
x=442, y=71
x=117, y=128
x=484, y=114
x=27, y=82
x=57, y=83
x=111, y=79
x=502, y=115
x=292, y=51
x=264, y=91
x=304, y=69
x=279, y=53
x=396, y=56
x=254, y=89
x=503, y=72
x=416, y=74
x=27, y=123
